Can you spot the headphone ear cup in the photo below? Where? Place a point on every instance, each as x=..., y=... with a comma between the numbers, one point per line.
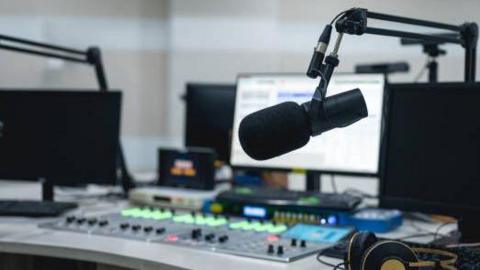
x=388, y=255
x=359, y=244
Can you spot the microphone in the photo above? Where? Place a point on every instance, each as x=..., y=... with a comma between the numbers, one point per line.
x=287, y=126
x=319, y=53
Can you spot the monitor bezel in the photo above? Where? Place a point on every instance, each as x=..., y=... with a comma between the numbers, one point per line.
x=112, y=179
x=385, y=201
x=331, y=172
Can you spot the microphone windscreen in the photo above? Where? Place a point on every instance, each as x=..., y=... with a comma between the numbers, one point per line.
x=274, y=131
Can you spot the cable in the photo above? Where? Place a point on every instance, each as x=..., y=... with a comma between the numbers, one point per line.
x=469, y=245
x=319, y=259
x=340, y=265
x=334, y=184
x=427, y=233
x=340, y=14
x=422, y=71
x=417, y=235
x=437, y=231
x=359, y=193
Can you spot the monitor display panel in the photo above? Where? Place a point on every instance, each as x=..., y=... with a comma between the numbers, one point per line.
x=355, y=149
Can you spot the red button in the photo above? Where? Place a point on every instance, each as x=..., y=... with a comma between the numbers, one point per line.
x=172, y=238
x=272, y=238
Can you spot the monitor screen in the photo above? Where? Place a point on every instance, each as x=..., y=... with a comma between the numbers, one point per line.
x=68, y=137
x=354, y=149
x=432, y=148
x=209, y=117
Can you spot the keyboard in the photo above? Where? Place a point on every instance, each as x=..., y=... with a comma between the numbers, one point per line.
x=331, y=201
x=468, y=258
x=34, y=208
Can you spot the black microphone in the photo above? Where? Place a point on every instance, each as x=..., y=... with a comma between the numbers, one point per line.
x=282, y=128
x=319, y=53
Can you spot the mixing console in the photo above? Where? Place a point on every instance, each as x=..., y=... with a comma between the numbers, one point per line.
x=244, y=237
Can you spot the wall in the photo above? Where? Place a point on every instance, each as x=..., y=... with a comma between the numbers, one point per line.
x=133, y=36
x=214, y=40
x=153, y=47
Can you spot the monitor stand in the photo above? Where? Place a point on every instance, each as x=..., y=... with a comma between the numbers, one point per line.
x=47, y=190
x=37, y=208
x=468, y=232
x=469, y=228
x=314, y=181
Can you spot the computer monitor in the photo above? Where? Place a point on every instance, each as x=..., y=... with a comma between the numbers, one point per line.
x=209, y=117
x=353, y=150
x=65, y=137
x=432, y=151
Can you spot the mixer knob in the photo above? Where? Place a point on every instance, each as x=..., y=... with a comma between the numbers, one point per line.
x=70, y=219
x=103, y=222
x=160, y=230
x=270, y=249
x=280, y=250
x=303, y=243
x=210, y=236
x=148, y=229
x=81, y=220
x=124, y=226
x=136, y=227
x=294, y=242
x=92, y=221
x=223, y=239
x=196, y=233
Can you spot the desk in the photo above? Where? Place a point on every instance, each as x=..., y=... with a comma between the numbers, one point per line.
x=22, y=236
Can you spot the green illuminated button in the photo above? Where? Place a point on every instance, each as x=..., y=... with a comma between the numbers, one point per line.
x=159, y=215
x=278, y=229
x=250, y=226
x=145, y=213
x=199, y=220
x=184, y=219
x=132, y=212
x=257, y=226
x=238, y=225
x=217, y=222
x=262, y=227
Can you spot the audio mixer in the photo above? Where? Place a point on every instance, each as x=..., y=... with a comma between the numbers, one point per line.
x=238, y=236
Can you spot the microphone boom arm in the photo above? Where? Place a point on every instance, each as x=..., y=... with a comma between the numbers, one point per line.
x=354, y=22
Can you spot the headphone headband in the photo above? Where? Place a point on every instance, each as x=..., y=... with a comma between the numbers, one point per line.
x=363, y=247
x=448, y=264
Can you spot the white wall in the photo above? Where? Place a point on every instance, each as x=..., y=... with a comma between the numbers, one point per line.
x=214, y=40
x=153, y=47
x=133, y=36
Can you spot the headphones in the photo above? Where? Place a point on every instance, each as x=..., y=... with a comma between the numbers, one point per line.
x=366, y=252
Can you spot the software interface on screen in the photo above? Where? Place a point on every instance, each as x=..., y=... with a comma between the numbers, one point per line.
x=354, y=149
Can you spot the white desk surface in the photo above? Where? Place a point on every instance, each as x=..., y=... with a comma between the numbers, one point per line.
x=22, y=236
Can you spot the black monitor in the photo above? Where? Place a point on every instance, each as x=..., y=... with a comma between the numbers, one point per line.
x=64, y=137
x=209, y=117
x=431, y=151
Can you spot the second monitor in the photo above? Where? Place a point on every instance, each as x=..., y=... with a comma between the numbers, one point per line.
x=354, y=150
x=209, y=117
